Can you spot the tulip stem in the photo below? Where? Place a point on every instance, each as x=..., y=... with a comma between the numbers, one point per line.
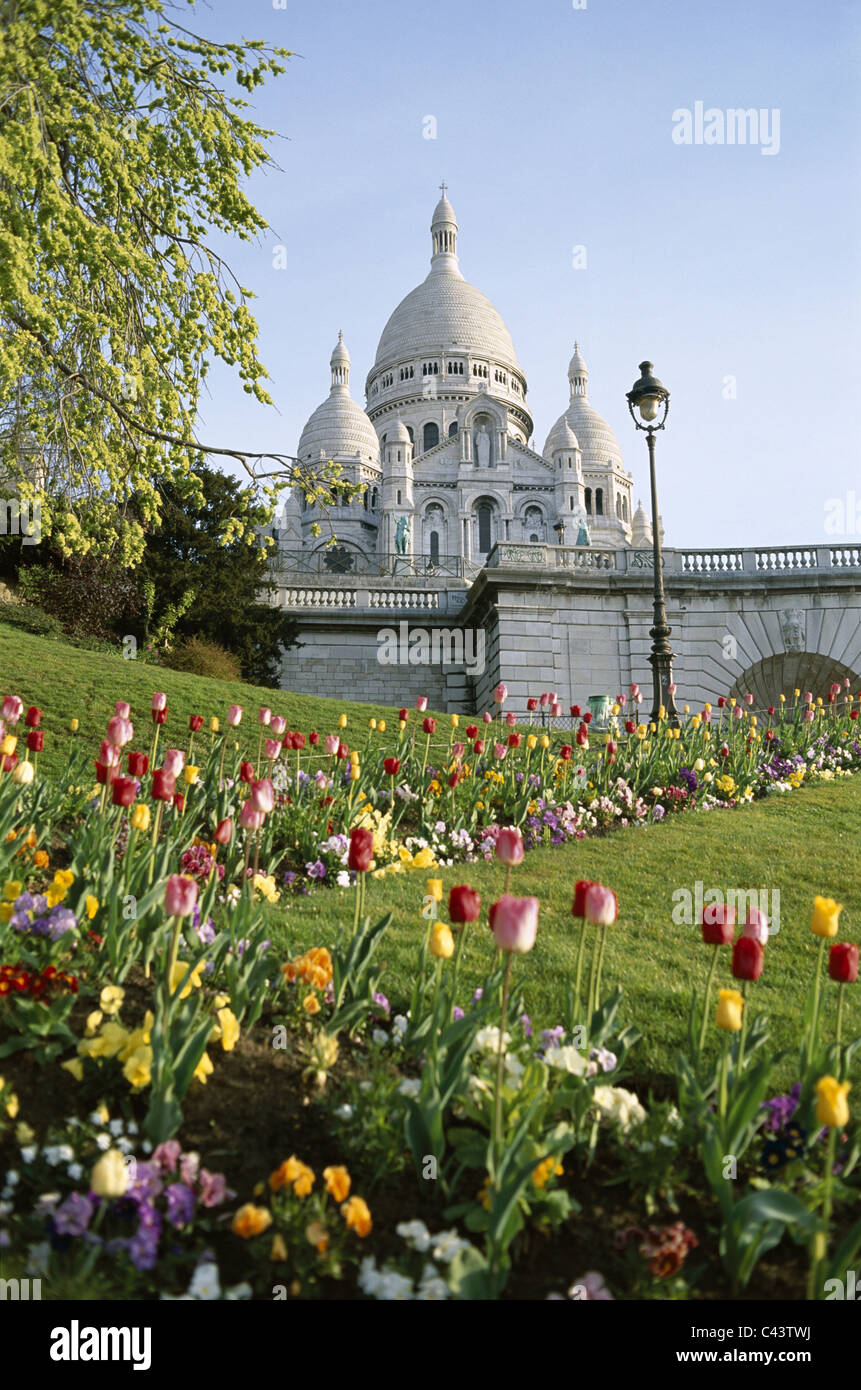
x=601, y=948
x=460, y=947
x=706, y=997
x=360, y=882
x=500, y=1072
x=590, y=1005
x=743, y=1034
x=817, y=991
x=819, y=1248
x=173, y=954
x=839, y=1030
x=579, y=974
x=722, y=1096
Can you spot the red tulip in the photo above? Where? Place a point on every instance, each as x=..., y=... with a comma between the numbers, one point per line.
x=361, y=849
x=718, y=924
x=578, y=907
x=223, y=832
x=179, y=801
x=771, y=709
x=454, y=779
x=391, y=766
x=630, y=726
x=247, y=773
x=33, y=717
x=478, y=746
x=464, y=904
x=287, y=741
x=514, y=740
x=565, y=752
x=36, y=740
x=105, y=774
x=582, y=738
x=575, y=711
x=403, y=714
x=509, y=847
x=195, y=723
x=138, y=764
x=748, y=959
x=472, y=730
x=163, y=785
x=343, y=751
x=429, y=725
x=843, y=962
x=314, y=738
x=123, y=791
x=721, y=701
x=853, y=714
x=180, y=895
x=299, y=741
x=159, y=716
x=10, y=762
x=587, y=717
x=532, y=704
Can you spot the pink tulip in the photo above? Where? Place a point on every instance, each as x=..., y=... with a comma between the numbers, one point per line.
x=809, y=716
x=421, y=703
x=509, y=847
x=180, y=895
x=672, y=688
x=159, y=700
x=263, y=795
x=555, y=709
x=234, y=715
x=174, y=761
x=545, y=699
x=736, y=711
x=621, y=701
x=12, y=708
x=600, y=906
x=553, y=696
x=487, y=717
x=707, y=716
x=272, y=747
x=514, y=922
x=333, y=743
x=748, y=699
x=500, y=694
x=457, y=750
x=635, y=689
x=756, y=926
x=122, y=709
x=808, y=697
x=499, y=750
x=109, y=754
x=120, y=730
x=278, y=726
x=511, y=717
x=250, y=819
x=265, y=716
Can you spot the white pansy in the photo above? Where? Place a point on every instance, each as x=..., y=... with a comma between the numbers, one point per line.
x=399, y=1027
x=103, y=1142
x=415, y=1233
x=344, y=1112
x=380, y=1037
x=409, y=1087
x=75, y=1171
x=205, y=1283
x=29, y=1153
x=448, y=1244
x=238, y=1293
x=487, y=1040
x=116, y=1127
x=13, y=1177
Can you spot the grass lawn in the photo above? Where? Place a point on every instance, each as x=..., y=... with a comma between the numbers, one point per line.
x=800, y=844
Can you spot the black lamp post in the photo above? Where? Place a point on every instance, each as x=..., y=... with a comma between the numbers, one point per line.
x=559, y=529
x=649, y=397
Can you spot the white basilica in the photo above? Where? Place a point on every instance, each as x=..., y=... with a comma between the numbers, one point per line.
x=442, y=448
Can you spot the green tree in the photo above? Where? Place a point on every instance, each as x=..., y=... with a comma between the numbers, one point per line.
x=218, y=590
x=120, y=157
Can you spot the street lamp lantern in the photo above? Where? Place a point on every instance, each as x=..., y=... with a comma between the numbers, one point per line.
x=650, y=397
x=559, y=529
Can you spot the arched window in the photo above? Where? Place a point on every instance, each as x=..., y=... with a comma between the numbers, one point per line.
x=599, y=501
x=624, y=509
x=375, y=499
x=533, y=538
x=399, y=497
x=434, y=547
x=588, y=501
x=571, y=504
x=430, y=437
x=533, y=523
x=411, y=435
x=484, y=527
x=452, y=429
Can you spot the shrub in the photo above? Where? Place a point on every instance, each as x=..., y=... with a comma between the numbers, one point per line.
x=202, y=658
x=31, y=619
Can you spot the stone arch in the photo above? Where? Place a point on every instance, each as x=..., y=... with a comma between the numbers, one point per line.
x=787, y=672
x=435, y=523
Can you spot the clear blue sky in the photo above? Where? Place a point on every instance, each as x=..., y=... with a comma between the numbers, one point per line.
x=554, y=130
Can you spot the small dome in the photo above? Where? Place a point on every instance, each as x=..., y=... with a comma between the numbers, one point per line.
x=598, y=443
x=641, y=530
x=340, y=356
x=443, y=213
x=577, y=366
x=561, y=437
x=399, y=434
x=339, y=426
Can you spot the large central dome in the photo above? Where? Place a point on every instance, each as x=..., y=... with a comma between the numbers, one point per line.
x=445, y=313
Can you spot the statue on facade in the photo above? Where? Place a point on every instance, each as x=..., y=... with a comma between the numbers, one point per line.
x=482, y=448
x=402, y=535
x=583, y=537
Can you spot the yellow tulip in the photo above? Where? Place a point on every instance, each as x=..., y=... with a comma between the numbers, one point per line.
x=191, y=774
x=531, y=741
x=8, y=745
x=434, y=889
x=372, y=723
x=729, y=1009
x=442, y=941
x=214, y=724
x=24, y=774
x=140, y=817
x=342, y=721
x=91, y=905
x=832, y=1107
x=707, y=706
x=826, y=913
x=545, y=741
x=454, y=720
x=355, y=773
x=74, y=726
x=381, y=727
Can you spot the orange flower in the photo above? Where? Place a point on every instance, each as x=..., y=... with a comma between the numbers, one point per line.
x=337, y=1182
x=304, y=1180
x=250, y=1221
x=311, y=1004
x=315, y=1234
x=279, y=1249
x=41, y=859
x=286, y=1174
x=356, y=1214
